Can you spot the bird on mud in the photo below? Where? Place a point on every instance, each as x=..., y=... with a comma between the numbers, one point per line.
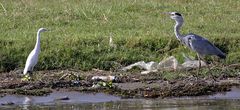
x=195, y=42
x=33, y=56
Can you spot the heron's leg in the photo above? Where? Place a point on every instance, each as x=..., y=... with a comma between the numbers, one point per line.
x=199, y=64
x=204, y=60
x=211, y=73
x=208, y=65
x=209, y=70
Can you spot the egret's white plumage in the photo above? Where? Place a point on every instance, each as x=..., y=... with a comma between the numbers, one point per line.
x=33, y=56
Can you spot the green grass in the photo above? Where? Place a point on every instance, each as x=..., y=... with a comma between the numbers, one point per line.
x=80, y=31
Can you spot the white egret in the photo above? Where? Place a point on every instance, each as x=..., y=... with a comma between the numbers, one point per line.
x=33, y=56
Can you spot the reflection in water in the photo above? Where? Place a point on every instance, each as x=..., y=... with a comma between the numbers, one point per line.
x=156, y=105
x=99, y=101
x=148, y=104
x=26, y=102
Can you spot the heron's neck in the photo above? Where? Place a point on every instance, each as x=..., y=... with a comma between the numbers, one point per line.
x=177, y=28
x=37, y=45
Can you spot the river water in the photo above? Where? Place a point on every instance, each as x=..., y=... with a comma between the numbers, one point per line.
x=99, y=101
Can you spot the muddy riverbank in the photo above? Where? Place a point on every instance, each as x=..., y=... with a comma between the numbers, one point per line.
x=123, y=84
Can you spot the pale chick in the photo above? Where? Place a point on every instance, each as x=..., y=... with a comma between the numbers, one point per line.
x=111, y=43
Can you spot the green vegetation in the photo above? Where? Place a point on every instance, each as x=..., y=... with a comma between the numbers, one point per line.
x=80, y=31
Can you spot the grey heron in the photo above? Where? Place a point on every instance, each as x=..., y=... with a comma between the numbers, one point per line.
x=33, y=56
x=195, y=42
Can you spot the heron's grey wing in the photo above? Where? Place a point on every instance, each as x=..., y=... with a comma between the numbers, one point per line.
x=185, y=40
x=204, y=47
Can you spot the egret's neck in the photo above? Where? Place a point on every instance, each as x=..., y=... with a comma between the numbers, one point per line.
x=177, y=28
x=37, y=46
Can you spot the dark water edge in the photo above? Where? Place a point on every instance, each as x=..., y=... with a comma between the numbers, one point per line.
x=140, y=105
x=99, y=101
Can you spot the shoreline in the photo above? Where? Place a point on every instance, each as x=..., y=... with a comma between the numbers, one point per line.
x=124, y=84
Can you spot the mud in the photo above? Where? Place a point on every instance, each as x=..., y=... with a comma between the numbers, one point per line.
x=125, y=85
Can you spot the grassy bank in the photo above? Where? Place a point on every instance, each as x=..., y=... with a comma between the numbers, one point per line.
x=80, y=31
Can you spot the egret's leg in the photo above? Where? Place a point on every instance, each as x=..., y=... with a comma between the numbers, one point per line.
x=31, y=70
x=30, y=73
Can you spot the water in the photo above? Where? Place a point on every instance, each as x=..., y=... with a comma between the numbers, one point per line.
x=99, y=101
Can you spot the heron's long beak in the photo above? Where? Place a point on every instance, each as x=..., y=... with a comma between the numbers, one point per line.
x=166, y=13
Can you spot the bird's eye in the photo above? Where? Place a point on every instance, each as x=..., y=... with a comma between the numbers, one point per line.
x=178, y=14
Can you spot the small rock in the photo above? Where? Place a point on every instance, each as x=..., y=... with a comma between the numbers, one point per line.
x=142, y=65
x=190, y=63
x=104, y=78
x=2, y=95
x=147, y=72
x=193, y=64
x=8, y=103
x=170, y=63
x=63, y=98
x=96, y=86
